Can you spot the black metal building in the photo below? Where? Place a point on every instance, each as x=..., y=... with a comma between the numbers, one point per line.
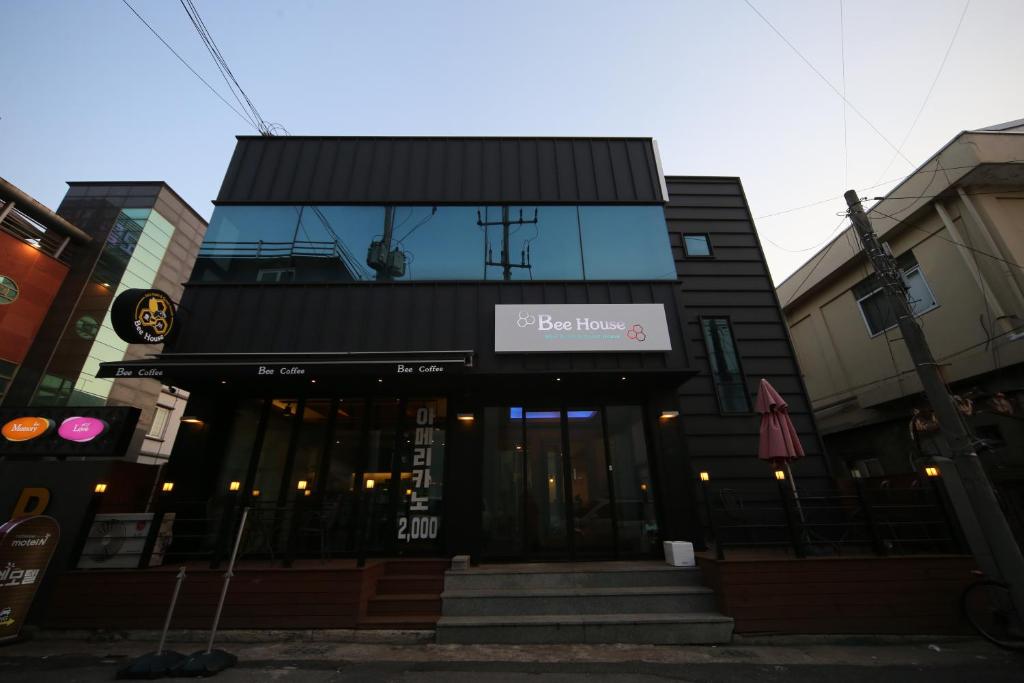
x=503, y=347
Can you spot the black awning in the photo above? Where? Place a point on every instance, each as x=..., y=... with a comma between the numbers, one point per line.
x=225, y=366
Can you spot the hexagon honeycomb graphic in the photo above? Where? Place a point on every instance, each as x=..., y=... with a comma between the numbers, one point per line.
x=636, y=332
x=526, y=319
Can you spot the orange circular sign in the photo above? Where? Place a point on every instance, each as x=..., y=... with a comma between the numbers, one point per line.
x=26, y=428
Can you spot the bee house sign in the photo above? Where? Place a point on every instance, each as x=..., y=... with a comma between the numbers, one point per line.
x=26, y=546
x=143, y=316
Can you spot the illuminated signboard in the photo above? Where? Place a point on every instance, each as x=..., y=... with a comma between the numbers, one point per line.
x=54, y=432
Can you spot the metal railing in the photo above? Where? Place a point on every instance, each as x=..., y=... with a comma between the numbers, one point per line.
x=865, y=519
x=261, y=249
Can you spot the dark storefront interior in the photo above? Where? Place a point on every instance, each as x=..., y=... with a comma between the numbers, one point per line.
x=552, y=479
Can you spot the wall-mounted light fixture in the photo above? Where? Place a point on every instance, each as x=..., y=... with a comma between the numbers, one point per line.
x=234, y=486
x=100, y=488
x=704, y=476
x=255, y=493
x=780, y=475
x=932, y=471
x=167, y=487
x=643, y=486
x=302, y=485
x=370, y=484
x=192, y=420
x=466, y=417
x=307, y=492
x=669, y=414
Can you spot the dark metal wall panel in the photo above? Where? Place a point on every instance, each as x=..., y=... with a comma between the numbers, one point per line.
x=408, y=316
x=337, y=170
x=735, y=283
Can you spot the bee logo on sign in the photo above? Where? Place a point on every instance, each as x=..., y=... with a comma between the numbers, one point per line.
x=143, y=316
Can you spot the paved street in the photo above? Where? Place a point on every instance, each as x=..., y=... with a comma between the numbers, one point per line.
x=935, y=661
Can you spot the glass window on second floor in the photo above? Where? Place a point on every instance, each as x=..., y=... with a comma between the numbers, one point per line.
x=403, y=243
x=697, y=246
x=874, y=307
x=724, y=359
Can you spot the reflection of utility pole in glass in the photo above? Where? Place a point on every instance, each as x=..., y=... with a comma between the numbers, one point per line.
x=505, y=263
x=388, y=264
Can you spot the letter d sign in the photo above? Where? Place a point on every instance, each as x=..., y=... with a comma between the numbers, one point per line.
x=37, y=497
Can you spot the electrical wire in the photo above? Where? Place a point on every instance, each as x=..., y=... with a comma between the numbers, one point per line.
x=821, y=257
x=846, y=142
x=931, y=88
x=222, y=65
x=951, y=241
x=871, y=187
x=827, y=82
x=188, y=66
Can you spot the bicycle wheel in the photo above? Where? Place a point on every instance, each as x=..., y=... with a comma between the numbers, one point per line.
x=988, y=608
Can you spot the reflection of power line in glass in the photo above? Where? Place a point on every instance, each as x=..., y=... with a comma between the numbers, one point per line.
x=505, y=223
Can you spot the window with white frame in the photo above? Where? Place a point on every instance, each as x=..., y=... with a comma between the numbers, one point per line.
x=156, y=430
x=874, y=307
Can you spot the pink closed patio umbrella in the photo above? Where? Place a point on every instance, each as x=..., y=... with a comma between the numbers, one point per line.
x=779, y=441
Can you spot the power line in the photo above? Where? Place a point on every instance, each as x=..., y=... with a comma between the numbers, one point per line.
x=826, y=81
x=846, y=142
x=951, y=241
x=942, y=65
x=187, y=65
x=222, y=65
x=821, y=257
x=871, y=187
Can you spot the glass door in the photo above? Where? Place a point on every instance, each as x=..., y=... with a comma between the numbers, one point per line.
x=552, y=480
x=547, y=517
x=593, y=511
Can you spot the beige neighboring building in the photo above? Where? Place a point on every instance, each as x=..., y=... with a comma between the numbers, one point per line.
x=956, y=227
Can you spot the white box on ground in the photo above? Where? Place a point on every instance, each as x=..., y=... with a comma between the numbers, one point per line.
x=679, y=553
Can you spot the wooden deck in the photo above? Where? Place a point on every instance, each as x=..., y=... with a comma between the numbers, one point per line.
x=402, y=593
x=857, y=595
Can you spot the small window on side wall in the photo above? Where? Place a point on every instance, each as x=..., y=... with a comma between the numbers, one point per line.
x=724, y=359
x=697, y=246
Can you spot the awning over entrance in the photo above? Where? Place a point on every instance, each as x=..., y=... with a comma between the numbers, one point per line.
x=225, y=366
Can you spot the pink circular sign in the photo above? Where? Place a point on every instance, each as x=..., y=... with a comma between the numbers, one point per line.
x=81, y=429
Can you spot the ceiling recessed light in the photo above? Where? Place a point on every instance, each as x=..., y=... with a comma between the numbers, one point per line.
x=558, y=379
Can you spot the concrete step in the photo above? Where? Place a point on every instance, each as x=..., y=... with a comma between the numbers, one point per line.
x=655, y=629
x=575, y=601
x=400, y=622
x=519, y=578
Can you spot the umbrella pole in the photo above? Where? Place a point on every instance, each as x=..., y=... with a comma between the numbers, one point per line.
x=796, y=496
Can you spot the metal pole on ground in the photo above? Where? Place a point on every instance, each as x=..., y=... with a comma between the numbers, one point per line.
x=210, y=662
x=160, y=663
x=1006, y=561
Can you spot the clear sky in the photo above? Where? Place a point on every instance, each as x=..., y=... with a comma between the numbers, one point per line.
x=90, y=94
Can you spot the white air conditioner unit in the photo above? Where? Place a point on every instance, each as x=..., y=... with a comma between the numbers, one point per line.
x=117, y=540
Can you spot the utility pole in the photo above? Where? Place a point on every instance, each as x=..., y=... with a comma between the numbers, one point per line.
x=1005, y=553
x=506, y=261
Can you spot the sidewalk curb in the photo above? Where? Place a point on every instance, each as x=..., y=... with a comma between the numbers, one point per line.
x=360, y=636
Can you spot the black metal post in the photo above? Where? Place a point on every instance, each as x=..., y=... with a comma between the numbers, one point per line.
x=362, y=525
x=227, y=522
x=712, y=525
x=298, y=512
x=945, y=506
x=869, y=519
x=154, y=527
x=795, y=533
x=88, y=516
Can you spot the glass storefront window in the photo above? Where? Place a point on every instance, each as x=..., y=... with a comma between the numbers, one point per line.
x=421, y=472
x=503, y=455
x=340, y=487
x=405, y=243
